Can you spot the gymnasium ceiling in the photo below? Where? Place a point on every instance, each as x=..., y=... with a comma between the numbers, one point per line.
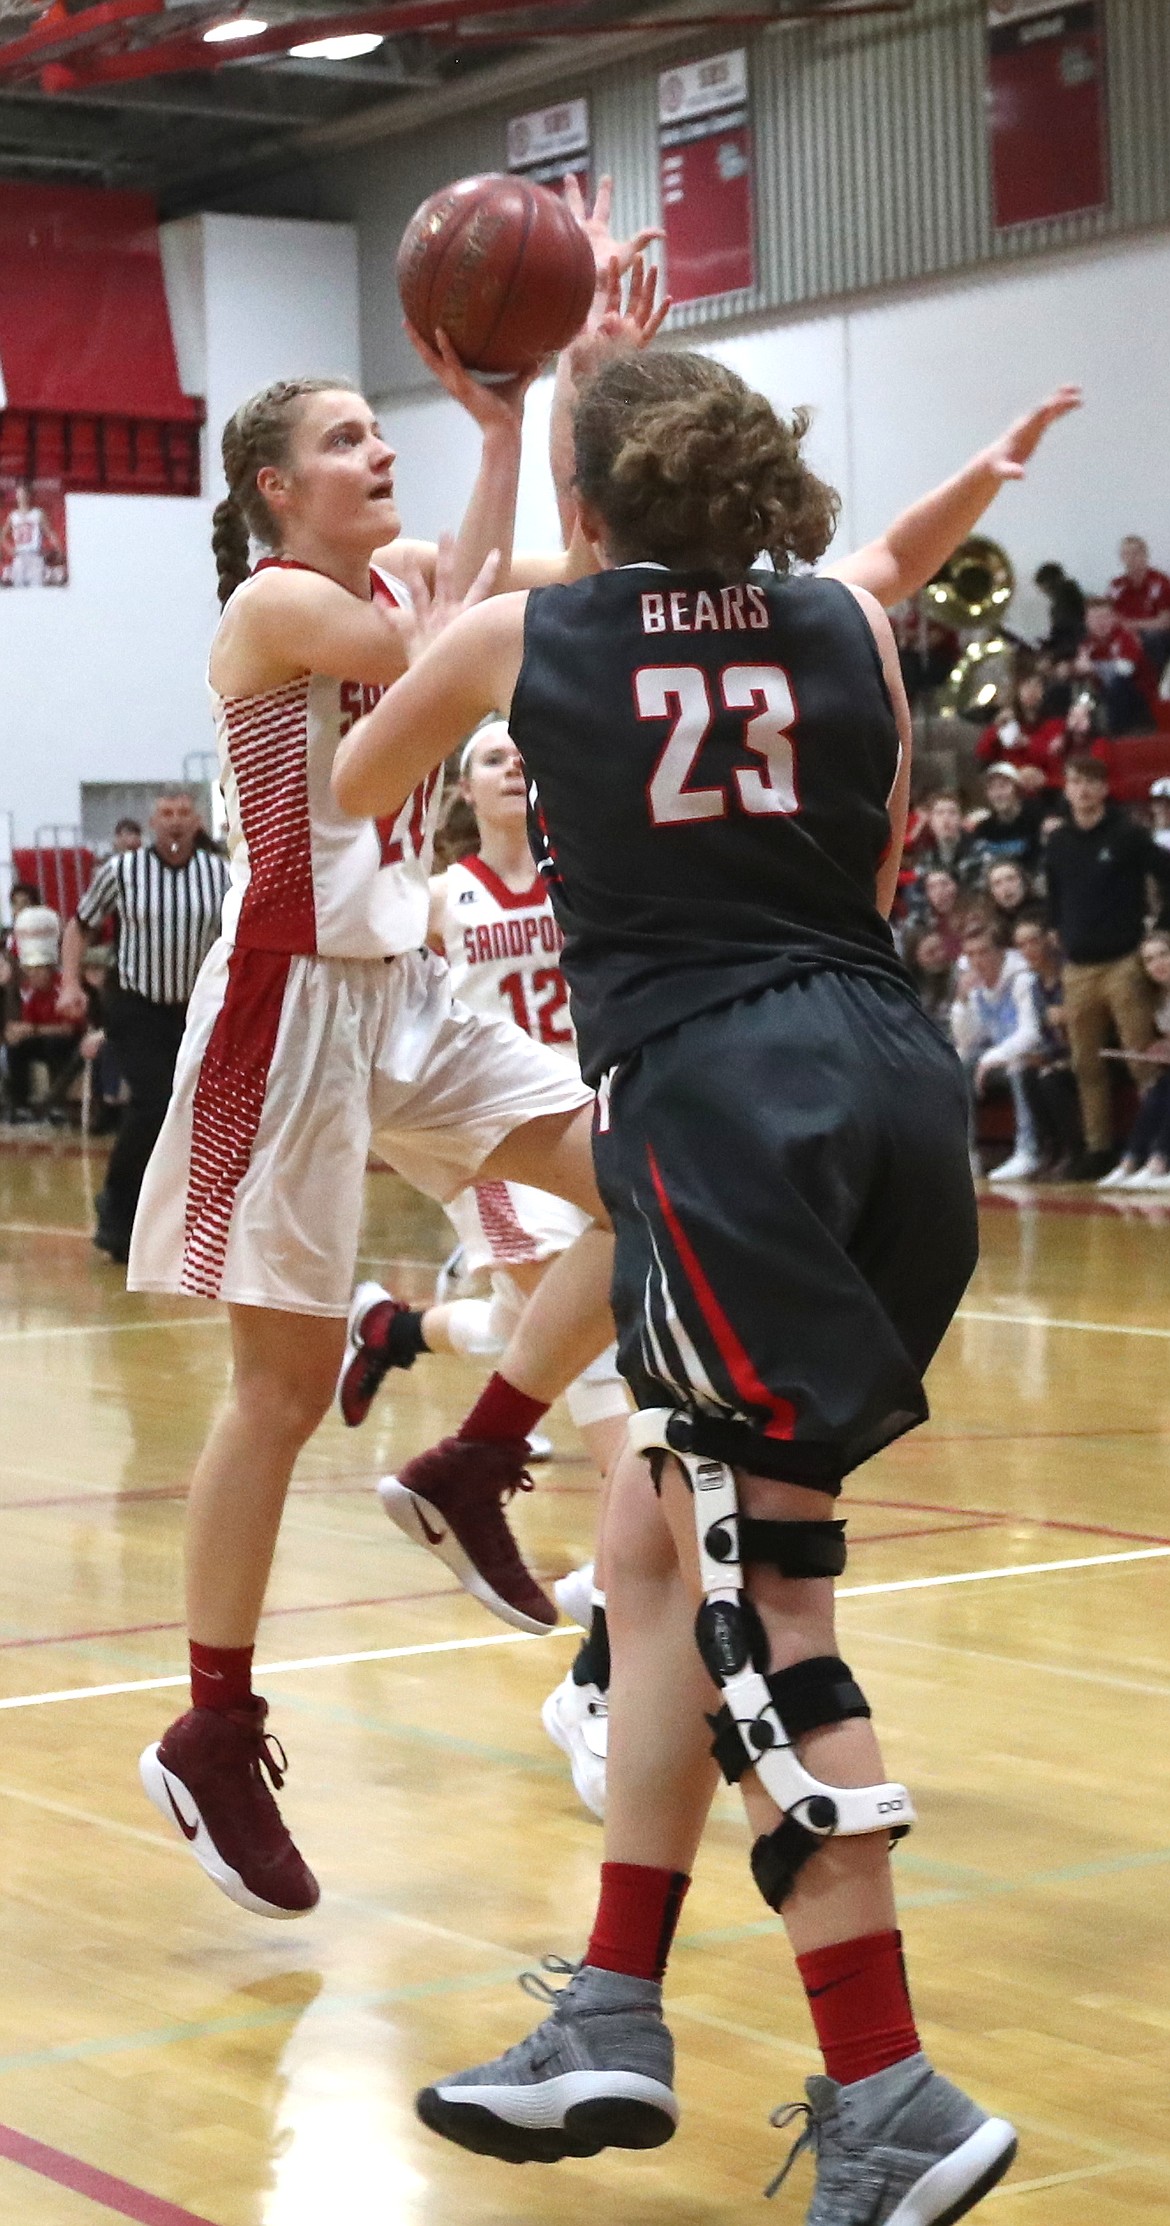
x=128, y=93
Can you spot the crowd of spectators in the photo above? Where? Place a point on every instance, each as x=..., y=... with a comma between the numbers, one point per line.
x=1037, y=928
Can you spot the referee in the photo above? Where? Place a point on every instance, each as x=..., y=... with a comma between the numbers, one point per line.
x=167, y=898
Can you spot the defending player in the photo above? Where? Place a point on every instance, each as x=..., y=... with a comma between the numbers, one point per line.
x=720, y=770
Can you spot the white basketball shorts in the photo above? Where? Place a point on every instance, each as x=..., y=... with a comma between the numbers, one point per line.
x=502, y=1225
x=288, y=1068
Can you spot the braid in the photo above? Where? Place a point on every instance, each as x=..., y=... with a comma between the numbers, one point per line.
x=230, y=542
x=259, y=433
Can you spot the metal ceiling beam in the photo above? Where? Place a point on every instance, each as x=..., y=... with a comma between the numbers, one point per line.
x=133, y=102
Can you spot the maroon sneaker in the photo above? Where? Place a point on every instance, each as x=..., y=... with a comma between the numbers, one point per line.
x=206, y=1776
x=374, y=1343
x=452, y=1500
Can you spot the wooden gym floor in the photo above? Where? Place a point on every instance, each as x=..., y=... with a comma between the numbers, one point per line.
x=167, y=2059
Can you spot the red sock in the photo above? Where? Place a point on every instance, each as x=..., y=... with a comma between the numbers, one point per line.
x=221, y=1676
x=502, y=1412
x=860, y=2005
x=636, y=1919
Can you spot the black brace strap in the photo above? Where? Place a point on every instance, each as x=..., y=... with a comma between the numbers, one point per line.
x=795, y=1549
x=806, y=1697
x=779, y=1856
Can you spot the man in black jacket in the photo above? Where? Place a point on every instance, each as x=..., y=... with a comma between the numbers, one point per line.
x=1098, y=867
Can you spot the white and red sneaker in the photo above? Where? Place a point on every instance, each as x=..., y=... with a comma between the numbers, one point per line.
x=451, y=1500
x=369, y=1350
x=206, y=1777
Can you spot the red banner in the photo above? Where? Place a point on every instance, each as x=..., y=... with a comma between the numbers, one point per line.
x=705, y=159
x=1049, y=147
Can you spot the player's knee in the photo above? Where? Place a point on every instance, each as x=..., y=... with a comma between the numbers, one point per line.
x=287, y=1405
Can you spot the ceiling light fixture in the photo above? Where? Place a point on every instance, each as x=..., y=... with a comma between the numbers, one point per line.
x=236, y=27
x=344, y=48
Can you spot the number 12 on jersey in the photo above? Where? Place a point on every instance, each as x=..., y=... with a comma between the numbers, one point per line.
x=683, y=692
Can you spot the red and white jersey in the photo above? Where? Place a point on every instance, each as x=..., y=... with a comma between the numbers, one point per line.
x=503, y=947
x=305, y=878
x=1146, y=598
x=26, y=529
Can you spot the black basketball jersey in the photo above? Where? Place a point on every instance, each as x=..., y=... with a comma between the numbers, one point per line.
x=709, y=768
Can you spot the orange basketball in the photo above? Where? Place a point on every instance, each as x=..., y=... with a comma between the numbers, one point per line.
x=501, y=267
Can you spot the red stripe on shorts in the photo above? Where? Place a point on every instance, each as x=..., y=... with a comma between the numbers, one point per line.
x=752, y=1390
x=507, y=1238
x=229, y=1099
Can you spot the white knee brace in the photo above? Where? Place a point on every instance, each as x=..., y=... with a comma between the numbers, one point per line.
x=765, y=1713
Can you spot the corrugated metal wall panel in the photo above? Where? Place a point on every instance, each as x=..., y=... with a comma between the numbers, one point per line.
x=872, y=160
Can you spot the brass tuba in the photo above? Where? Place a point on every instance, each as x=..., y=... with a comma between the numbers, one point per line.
x=972, y=591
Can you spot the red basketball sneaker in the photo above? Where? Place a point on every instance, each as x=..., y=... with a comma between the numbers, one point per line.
x=206, y=1776
x=378, y=1338
x=452, y=1501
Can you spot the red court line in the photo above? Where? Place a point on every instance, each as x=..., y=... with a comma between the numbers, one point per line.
x=1013, y=1515
x=99, y=2187
x=320, y=1607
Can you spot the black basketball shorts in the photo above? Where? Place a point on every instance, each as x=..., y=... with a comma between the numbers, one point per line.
x=791, y=1195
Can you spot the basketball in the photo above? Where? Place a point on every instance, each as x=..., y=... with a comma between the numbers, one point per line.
x=501, y=267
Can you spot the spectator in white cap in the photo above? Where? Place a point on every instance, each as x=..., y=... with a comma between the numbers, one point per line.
x=36, y=934
x=34, y=1033
x=1011, y=825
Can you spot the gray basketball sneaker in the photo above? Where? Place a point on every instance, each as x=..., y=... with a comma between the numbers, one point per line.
x=904, y=2148
x=597, y=2074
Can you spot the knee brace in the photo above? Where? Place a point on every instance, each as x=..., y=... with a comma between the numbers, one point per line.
x=764, y=1713
x=479, y=1329
x=599, y=1393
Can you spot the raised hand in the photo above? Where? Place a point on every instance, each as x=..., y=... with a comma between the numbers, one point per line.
x=435, y=608
x=1010, y=453
x=499, y=405
x=597, y=225
x=632, y=327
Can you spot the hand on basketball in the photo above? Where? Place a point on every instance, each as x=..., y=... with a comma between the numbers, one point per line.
x=1008, y=455
x=605, y=248
x=435, y=608
x=500, y=405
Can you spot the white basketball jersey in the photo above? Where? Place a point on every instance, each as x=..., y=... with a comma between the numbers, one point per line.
x=504, y=949
x=27, y=529
x=305, y=878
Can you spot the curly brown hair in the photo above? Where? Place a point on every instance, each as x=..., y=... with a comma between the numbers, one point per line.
x=687, y=467
x=258, y=433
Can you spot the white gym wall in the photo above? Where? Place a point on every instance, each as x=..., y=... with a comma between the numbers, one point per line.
x=104, y=679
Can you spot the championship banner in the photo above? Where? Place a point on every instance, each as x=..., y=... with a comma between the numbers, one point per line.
x=705, y=157
x=548, y=142
x=1046, y=106
x=33, y=550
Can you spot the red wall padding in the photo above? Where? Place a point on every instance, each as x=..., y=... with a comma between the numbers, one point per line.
x=84, y=325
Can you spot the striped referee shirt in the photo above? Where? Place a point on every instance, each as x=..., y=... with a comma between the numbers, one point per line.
x=168, y=918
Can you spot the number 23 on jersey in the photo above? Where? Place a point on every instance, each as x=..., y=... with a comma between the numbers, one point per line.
x=683, y=694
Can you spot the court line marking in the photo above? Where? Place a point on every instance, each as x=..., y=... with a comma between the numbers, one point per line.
x=1065, y=2179
x=1060, y=1321
x=1023, y=1662
x=112, y=1329
x=570, y=1630
x=96, y=2186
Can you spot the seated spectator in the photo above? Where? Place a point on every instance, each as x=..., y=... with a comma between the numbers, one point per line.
x=995, y=1029
x=1160, y=811
x=1145, y=1162
x=1014, y=738
x=1111, y=658
x=34, y=1033
x=941, y=908
x=932, y=968
x=1081, y=731
x=944, y=844
x=1010, y=828
x=1010, y=895
x=1098, y=867
x=1048, y=1077
x=1066, y=611
x=1141, y=599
